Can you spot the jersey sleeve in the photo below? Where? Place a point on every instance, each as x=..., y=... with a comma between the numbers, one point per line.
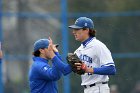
x=63, y=67
x=58, y=55
x=105, y=70
x=105, y=56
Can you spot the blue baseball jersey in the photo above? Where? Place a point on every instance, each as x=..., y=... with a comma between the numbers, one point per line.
x=42, y=77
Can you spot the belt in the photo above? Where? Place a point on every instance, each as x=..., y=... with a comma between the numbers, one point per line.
x=94, y=84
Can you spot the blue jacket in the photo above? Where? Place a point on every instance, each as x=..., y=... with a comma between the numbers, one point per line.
x=42, y=77
x=60, y=65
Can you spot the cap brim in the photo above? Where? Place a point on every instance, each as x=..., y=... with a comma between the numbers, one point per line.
x=75, y=27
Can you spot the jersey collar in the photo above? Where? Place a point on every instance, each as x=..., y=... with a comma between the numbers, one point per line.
x=40, y=59
x=87, y=41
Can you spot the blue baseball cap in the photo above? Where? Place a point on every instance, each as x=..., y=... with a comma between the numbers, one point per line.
x=41, y=43
x=83, y=22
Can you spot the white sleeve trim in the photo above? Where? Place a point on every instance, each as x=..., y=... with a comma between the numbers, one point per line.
x=108, y=64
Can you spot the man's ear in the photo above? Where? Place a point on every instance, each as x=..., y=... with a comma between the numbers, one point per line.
x=87, y=30
x=40, y=50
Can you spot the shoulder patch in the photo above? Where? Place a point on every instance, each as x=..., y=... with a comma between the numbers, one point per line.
x=45, y=68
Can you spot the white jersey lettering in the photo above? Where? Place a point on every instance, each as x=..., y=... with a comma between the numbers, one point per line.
x=86, y=58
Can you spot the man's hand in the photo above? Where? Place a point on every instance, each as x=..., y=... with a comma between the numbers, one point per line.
x=0, y=51
x=80, y=66
x=0, y=54
x=53, y=46
x=50, y=52
x=83, y=66
x=72, y=60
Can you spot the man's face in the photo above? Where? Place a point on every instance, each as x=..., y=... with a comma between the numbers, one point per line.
x=80, y=34
x=45, y=53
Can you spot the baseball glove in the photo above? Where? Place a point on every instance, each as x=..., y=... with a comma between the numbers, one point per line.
x=72, y=59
